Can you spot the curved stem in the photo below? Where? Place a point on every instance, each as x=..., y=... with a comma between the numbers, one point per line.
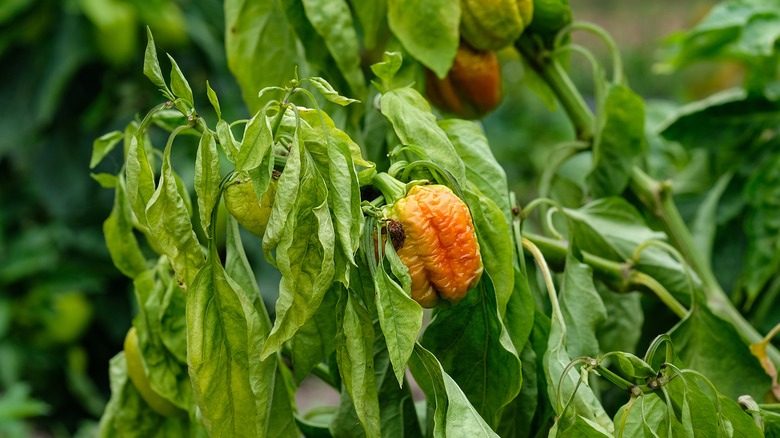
x=671, y=250
x=617, y=63
x=553, y=73
x=642, y=279
x=548, y=281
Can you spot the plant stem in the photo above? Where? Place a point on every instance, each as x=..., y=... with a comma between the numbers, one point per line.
x=642, y=279
x=655, y=195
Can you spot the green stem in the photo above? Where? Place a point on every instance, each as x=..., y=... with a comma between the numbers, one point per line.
x=641, y=279
x=655, y=196
x=392, y=189
x=555, y=76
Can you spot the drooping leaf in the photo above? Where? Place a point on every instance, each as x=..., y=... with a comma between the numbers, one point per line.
x=474, y=348
x=330, y=93
x=453, y=414
x=495, y=245
x=332, y=19
x=619, y=141
x=103, y=145
x=259, y=38
x=179, y=85
x=152, y=65
x=315, y=341
x=557, y=358
x=428, y=30
x=305, y=258
x=482, y=168
x=120, y=239
x=400, y=317
x=355, y=356
x=207, y=178
x=713, y=347
x=140, y=178
x=413, y=122
x=170, y=225
x=256, y=143
x=217, y=353
x=582, y=308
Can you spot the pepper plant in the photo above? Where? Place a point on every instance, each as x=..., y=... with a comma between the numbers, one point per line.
x=374, y=206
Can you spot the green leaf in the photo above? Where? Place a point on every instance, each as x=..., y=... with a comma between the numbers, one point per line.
x=213, y=100
x=140, y=178
x=761, y=228
x=171, y=228
x=428, y=30
x=371, y=16
x=256, y=144
x=152, y=65
x=259, y=38
x=612, y=228
x=103, y=145
x=217, y=353
x=647, y=417
x=399, y=315
x=557, y=358
x=126, y=413
x=106, y=180
x=286, y=197
x=582, y=308
x=304, y=256
x=120, y=239
x=315, y=341
x=453, y=414
x=482, y=169
x=267, y=378
x=495, y=245
x=179, y=85
x=713, y=347
x=413, y=122
x=704, y=225
x=167, y=376
x=332, y=20
x=227, y=141
x=329, y=93
x=355, y=356
x=340, y=177
x=387, y=69
x=474, y=348
x=619, y=141
x=207, y=178
x=518, y=416
x=577, y=427
x=622, y=329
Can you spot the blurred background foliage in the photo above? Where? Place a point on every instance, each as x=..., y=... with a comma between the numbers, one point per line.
x=72, y=71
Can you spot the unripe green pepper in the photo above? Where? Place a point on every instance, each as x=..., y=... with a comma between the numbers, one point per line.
x=437, y=242
x=249, y=210
x=135, y=370
x=494, y=24
x=550, y=16
x=472, y=87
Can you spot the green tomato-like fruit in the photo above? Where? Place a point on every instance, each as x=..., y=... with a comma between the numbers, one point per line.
x=249, y=210
x=135, y=370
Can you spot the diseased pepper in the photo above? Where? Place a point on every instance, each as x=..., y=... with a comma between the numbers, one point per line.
x=242, y=202
x=494, y=24
x=472, y=87
x=437, y=242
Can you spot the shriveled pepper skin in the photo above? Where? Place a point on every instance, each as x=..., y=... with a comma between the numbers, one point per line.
x=440, y=246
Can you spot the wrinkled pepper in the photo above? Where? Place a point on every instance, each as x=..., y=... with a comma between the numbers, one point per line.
x=434, y=236
x=243, y=203
x=494, y=24
x=472, y=87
